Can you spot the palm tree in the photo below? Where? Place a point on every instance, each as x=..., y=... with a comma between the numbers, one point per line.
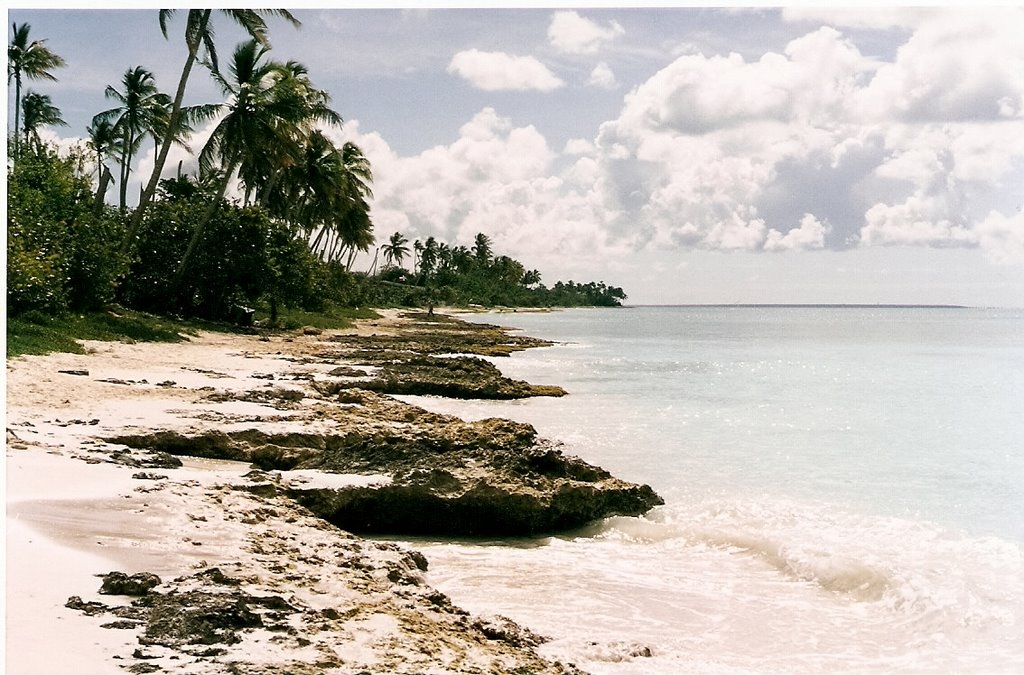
x=395, y=249
x=264, y=110
x=417, y=250
x=103, y=140
x=348, y=224
x=482, y=249
x=140, y=112
x=199, y=34
x=32, y=60
x=300, y=146
x=38, y=111
x=428, y=259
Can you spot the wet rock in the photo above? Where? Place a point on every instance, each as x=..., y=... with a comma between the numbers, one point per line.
x=119, y=583
x=504, y=629
x=465, y=377
x=487, y=507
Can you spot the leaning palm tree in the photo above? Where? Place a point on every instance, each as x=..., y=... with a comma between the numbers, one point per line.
x=31, y=60
x=39, y=111
x=395, y=249
x=300, y=148
x=355, y=229
x=199, y=34
x=259, y=113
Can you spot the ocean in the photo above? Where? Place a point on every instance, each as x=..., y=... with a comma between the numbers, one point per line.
x=844, y=491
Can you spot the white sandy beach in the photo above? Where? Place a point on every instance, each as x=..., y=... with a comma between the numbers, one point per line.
x=71, y=517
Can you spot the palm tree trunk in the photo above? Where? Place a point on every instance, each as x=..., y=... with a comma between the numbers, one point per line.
x=165, y=147
x=17, y=111
x=316, y=242
x=123, y=187
x=101, y=190
x=264, y=196
x=197, y=235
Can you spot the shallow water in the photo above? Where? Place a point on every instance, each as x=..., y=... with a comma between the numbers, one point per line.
x=844, y=490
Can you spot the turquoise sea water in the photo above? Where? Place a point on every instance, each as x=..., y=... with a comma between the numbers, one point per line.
x=844, y=488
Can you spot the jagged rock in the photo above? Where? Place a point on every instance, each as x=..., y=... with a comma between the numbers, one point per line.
x=492, y=477
x=485, y=507
x=347, y=371
x=119, y=583
x=197, y=617
x=467, y=377
x=504, y=629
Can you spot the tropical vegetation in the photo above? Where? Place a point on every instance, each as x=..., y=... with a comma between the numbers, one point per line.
x=273, y=219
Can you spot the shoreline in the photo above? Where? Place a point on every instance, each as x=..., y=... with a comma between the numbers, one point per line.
x=314, y=598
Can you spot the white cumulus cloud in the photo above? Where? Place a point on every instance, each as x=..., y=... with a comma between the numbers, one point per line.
x=809, y=235
x=573, y=34
x=498, y=71
x=602, y=76
x=1002, y=238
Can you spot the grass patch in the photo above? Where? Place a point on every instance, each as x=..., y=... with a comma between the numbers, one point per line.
x=36, y=333
x=334, y=318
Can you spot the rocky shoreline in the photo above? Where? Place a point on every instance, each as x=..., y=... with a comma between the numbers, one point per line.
x=269, y=578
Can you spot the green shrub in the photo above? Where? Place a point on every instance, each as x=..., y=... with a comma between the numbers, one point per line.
x=60, y=253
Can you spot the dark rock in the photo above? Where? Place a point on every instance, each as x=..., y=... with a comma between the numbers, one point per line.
x=465, y=377
x=142, y=475
x=122, y=624
x=347, y=371
x=214, y=575
x=506, y=630
x=487, y=508
x=84, y=373
x=88, y=608
x=144, y=668
x=197, y=617
x=119, y=583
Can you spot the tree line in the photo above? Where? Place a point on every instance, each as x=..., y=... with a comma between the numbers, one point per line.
x=292, y=236
x=461, y=275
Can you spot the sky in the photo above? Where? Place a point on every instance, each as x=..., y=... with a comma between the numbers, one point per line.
x=686, y=154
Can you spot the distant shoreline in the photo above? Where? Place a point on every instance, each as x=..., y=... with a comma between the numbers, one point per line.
x=786, y=305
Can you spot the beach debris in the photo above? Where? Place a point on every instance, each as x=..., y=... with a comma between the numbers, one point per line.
x=117, y=380
x=83, y=373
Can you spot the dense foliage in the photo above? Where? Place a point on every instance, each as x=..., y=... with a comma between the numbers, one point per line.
x=289, y=242
x=62, y=253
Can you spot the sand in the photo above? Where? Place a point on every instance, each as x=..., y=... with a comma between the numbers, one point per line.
x=72, y=515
